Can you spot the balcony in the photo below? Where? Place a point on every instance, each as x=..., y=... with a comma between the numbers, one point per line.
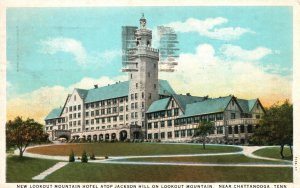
x=243, y=121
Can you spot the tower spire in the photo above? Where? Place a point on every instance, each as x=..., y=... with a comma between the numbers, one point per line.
x=143, y=22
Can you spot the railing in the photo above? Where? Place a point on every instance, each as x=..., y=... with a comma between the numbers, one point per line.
x=242, y=121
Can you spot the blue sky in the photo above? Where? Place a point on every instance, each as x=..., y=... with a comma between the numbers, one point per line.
x=38, y=55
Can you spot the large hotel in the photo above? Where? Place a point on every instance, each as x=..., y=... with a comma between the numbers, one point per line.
x=145, y=107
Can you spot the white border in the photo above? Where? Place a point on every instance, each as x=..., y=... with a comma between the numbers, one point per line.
x=97, y=3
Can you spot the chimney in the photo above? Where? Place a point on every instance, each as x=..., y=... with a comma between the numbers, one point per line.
x=96, y=86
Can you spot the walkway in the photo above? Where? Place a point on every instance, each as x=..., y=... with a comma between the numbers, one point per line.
x=246, y=150
x=57, y=166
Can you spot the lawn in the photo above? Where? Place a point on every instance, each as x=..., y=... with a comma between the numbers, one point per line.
x=126, y=149
x=274, y=152
x=79, y=172
x=222, y=159
x=23, y=169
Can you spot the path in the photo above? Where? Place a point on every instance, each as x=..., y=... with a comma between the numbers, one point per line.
x=246, y=150
x=57, y=166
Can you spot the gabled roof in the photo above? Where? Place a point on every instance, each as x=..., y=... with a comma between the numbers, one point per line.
x=55, y=113
x=119, y=90
x=207, y=106
x=107, y=92
x=183, y=100
x=159, y=105
x=82, y=93
x=246, y=105
x=165, y=88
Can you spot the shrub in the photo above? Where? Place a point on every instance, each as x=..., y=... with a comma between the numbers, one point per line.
x=92, y=156
x=84, y=157
x=71, y=157
x=106, y=157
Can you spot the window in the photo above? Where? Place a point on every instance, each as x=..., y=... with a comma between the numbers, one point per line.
x=182, y=133
x=169, y=123
x=87, y=106
x=70, y=116
x=86, y=122
x=135, y=95
x=70, y=108
x=189, y=132
x=86, y=114
x=108, y=110
x=97, y=105
x=115, y=110
x=114, y=101
x=74, y=108
x=220, y=129
x=211, y=117
x=162, y=124
x=169, y=134
x=162, y=135
x=92, y=121
x=172, y=104
x=136, y=115
x=149, y=136
x=149, y=125
x=121, y=100
x=132, y=105
x=169, y=113
x=108, y=120
x=230, y=130
x=136, y=105
x=155, y=125
x=74, y=115
x=79, y=122
x=115, y=118
x=176, y=112
x=242, y=128
x=149, y=96
x=79, y=115
x=176, y=134
x=236, y=129
x=97, y=121
x=232, y=115
x=143, y=105
x=132, y=115
x=136, y=85
x=154, y=86
x=121, y=108
x=74, y=123
x=102, y=111
x=143, y=95
x=131, y=76
x=121, y=117
x=155, y=135
x=79, y=107
x=97, y=112
x=92, y=113
x=108, y=102
x=70, y=123
x=126, y=116
x=126, y=108
x=219, y=116
x=132, y=96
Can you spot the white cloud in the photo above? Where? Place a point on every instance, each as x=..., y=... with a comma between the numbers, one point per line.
x=68, y=45
x=39, y=103
x=204, y=73
x=208, y=28
x=237, y=53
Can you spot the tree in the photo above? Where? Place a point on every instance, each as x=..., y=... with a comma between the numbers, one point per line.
x=84, y=157
x=276, y=127
x=20, y=133
x=203, y=130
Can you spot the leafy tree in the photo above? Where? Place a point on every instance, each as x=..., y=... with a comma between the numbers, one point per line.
x=203, y=130
x=84, y=157
x=20, y=133
x=276, y=127
x=72, y=157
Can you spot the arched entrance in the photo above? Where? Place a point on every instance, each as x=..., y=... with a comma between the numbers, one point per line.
x=100, y=136
x=89, y=137
x=123, y=135
x=106, y=136
x=113, y=136
x=94, y=137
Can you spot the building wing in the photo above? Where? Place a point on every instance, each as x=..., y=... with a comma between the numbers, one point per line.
x=159, y=105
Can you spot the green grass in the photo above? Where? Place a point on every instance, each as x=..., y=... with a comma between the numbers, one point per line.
x=274, y=152
x=78, y=172
x=125, y=149
x=23, y=169
x=207, y=159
